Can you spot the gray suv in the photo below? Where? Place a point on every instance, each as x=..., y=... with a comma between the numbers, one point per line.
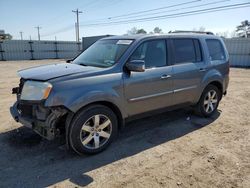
x=118, y=78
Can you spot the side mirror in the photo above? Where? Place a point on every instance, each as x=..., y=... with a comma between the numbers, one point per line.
x=136, y=65
x=68, y=60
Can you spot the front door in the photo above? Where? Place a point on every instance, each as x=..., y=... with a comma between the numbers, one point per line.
x=152, y=89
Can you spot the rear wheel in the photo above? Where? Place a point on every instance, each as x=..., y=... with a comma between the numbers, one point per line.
x=209, y=101
x=93, y=129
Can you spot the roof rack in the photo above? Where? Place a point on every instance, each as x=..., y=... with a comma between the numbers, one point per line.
x=198, y=32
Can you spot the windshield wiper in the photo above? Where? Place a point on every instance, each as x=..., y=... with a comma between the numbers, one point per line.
x=83, y=64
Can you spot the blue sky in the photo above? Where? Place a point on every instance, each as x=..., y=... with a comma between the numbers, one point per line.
x=56, y=17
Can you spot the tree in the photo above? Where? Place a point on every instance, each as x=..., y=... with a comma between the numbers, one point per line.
x=202, y=29
x=134, y=31
x=243, y=30
x=224, y=34
x=5, y=36
x=157, y=30
x=141, y=31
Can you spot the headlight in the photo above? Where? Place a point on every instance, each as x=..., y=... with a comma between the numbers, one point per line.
x=35, y=91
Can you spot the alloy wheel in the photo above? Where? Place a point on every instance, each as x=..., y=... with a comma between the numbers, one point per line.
x=210, y=101
x=96, y=131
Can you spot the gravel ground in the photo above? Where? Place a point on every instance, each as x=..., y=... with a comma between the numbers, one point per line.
x=173, y=149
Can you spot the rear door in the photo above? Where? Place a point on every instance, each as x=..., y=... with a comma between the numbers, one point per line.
x=189, y=68
x=152, y=89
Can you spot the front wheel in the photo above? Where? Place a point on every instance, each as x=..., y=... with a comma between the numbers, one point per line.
x=93, y=129
x=209, y=101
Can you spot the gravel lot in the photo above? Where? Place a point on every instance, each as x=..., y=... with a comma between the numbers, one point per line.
x=174, y=149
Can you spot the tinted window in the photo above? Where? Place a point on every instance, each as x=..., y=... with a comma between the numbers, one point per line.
x=152, y=52
x=198, y=52
x=216, y=51
x=184, y=51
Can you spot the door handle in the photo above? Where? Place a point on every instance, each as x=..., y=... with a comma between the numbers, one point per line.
x=203, y=70
x=165, y=76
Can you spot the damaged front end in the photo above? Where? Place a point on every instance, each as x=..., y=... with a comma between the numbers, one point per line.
x=48, y=122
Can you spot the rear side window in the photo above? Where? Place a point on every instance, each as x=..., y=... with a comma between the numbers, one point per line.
x=198, y=52
x=216, y=50
x=187, y=50
x=152, y=52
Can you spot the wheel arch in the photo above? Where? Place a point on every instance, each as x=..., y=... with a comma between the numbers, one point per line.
x=213, y=77
x=111, y=106
x=219, y=85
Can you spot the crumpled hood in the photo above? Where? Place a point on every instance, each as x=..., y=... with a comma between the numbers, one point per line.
x=47, y=72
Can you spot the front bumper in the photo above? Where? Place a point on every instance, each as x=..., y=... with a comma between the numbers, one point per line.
x=42, y=120
x=18, y=118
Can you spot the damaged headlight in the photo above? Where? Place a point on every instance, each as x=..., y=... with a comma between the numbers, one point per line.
x=34, y=91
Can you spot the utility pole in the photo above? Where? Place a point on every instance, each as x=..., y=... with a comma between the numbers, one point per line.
x=77, y=23
x=21, y=34
x=30, y=37
x=38, y=31
x=76, y=31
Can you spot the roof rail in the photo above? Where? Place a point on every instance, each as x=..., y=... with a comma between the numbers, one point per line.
x=198, y=32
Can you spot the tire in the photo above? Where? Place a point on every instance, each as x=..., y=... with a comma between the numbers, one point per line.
x=210, y=96
x=93, y=129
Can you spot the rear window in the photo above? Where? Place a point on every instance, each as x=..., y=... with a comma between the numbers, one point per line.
x=187, y=50
x=216, y=50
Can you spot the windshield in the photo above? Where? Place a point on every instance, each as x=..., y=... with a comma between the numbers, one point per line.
x=103, y=53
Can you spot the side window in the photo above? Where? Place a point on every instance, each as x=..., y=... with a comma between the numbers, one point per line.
x=152, y=52
x=185, y=51
x=215, y=48
x=198, y=51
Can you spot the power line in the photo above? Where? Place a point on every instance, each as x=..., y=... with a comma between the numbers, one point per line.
x=241, y=5
x=173, y=10
x=151, y=10
x=145, y=11
x=77, y=24
x=64, y=29
x=167, y=16
x=38, y=31
x=100, y=20
x=155, y=13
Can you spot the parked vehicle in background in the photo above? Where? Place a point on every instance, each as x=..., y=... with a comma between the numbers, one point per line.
x=118, y=78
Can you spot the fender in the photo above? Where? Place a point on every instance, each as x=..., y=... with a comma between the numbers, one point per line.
x=211, y=76
x=96, y=96
x=77, y=97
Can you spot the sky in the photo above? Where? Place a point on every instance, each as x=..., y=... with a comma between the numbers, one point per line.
x=56, y=19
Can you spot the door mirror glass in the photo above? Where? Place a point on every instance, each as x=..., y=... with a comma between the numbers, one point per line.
x=136, y=65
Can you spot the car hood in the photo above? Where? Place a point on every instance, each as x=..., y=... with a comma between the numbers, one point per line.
x=47, y=72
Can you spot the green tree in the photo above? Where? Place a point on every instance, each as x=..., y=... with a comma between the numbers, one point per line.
x=4, y=36
x=157, y=30
x=134, y=31
x=141, y=31
x=243, y=30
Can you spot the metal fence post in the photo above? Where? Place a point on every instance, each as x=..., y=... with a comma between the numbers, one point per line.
x=31, y=50
x=79, y=46
x=56, y=49
x=83, y=39
x=1, y=51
